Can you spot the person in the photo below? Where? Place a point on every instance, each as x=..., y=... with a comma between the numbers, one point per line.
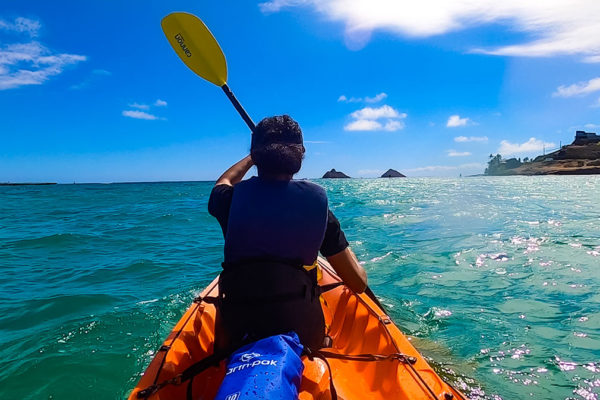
x=274, y=227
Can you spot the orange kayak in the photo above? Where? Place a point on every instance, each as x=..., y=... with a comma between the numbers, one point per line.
x=376, y=360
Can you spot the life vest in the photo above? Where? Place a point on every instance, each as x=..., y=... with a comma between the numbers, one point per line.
x=264, y=298
x=280, y=220
x=268, y=285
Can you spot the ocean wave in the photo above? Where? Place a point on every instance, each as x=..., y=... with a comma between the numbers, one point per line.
x=54, y=241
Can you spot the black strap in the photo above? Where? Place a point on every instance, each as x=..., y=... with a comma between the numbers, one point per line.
x=207, y=299
x=403, y=358
x=258, y=300
x=317, y=354
x=324, y=355
x=190, y=372
x=228, y=266
x=328, y=287
x=215, y=358
x=276, y=298
x=189, y=395
x=372, y=296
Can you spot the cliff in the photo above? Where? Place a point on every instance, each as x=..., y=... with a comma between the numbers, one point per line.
x=392, y=173
x=335, y=174
x=574, y=159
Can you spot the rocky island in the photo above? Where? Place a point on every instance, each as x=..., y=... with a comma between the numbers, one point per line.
x=582, y=157
x=392, y=173
x=335, y=174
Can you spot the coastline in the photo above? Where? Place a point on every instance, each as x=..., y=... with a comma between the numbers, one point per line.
x=27, y=183
x=575, y=159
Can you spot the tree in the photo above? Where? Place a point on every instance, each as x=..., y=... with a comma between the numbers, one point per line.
x=494, y=165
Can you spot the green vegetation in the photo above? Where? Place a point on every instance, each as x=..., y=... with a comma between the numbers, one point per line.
x=499, y=166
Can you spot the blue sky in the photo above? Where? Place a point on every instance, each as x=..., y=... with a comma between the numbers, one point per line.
x=91, y=91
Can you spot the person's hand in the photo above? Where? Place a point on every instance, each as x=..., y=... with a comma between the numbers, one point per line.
x=349, y=269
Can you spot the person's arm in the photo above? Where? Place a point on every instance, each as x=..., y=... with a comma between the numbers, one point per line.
x=236, y=172
x=348, y=268
x=341, y=257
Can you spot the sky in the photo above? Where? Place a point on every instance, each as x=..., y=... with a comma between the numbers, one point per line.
x=91, y=91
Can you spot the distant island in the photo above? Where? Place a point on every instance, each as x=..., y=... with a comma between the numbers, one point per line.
x=582, y=157
x=335, y=174
x=392, y=173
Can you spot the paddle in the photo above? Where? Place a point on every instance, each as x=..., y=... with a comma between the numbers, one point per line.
x=199, y=50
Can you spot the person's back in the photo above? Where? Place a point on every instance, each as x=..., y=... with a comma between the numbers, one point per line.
x=274, y=228
x=276, y=219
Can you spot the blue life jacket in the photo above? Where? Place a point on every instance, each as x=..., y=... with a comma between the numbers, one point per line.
x=278, y=220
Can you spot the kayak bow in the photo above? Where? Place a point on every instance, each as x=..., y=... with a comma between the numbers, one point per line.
x=370, y=358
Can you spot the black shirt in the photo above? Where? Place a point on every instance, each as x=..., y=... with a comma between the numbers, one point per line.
x=219, y=205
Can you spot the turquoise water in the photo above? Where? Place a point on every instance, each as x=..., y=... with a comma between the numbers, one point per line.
x=497, y=278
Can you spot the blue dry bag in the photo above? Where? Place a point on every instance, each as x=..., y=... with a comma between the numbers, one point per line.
x=267, y=369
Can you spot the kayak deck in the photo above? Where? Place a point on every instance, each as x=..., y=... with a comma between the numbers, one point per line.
x=357, y=325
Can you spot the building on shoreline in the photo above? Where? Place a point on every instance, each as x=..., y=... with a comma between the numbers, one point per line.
x=583, y=137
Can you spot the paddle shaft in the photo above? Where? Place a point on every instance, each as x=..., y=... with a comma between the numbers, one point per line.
x=239, y=107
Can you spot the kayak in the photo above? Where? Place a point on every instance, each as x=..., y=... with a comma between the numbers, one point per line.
x=368, y=357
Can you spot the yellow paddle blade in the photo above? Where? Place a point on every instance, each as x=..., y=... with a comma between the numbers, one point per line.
x=196, y=46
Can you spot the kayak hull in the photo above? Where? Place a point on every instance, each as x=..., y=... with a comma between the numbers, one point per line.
x=355, y=322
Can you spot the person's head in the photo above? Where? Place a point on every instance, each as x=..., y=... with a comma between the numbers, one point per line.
x=277, y=147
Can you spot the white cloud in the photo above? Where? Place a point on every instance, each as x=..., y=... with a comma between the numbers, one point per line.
x=142, y=106
x=592, y=59
x=384, y=111
x=143, y=114
x=375, y=99
x=394, y=124
x=31, y=64
x=139, y=115
x=577, y=89
x=363, y=125
x=454, y=153
x=376, y=119
x=456, y=121
x=464, y=139
x=316, y=141
x=21, y=25
x=531, y=146
x=441, y=168
x=139, y=106
x=557, y=27
x=591, y=126
x=344, y=99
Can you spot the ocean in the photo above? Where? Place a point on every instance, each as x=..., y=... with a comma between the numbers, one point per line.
x=497, y=278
